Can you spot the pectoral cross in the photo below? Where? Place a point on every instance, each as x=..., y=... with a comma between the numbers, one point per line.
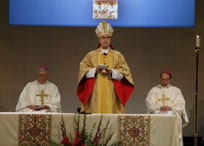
x=163, y=99
x=42, y=96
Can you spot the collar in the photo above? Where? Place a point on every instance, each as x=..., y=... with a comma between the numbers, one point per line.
x=104, y=51
x=41, y=84
x=161, y=87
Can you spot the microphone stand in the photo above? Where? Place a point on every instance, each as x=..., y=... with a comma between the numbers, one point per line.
x=197, y=49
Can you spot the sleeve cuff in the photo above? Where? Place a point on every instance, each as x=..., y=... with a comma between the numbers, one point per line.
x=116, y=75
x=91, y=73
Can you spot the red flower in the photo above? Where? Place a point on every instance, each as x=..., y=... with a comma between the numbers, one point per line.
x=66, y=140
x=76, y=141
x=77, y=133
x=98, y=138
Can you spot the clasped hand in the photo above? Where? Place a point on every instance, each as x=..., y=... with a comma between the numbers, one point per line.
x=99, y=70
x=165, y=109
x=38, y=108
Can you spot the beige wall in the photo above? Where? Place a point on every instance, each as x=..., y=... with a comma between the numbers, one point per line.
x=147, y=51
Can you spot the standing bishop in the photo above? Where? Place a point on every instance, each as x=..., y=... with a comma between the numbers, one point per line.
x=105, y=82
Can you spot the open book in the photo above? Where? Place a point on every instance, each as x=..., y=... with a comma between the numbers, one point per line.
x=102, y=66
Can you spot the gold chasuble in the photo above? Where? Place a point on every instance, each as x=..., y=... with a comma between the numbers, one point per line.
x=103, y=97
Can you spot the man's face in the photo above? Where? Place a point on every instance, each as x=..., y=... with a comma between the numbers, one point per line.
x=105, y=41
x=165, y=79
x=42, y=77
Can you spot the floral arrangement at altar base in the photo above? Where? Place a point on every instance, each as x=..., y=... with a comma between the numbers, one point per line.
x=84, y=138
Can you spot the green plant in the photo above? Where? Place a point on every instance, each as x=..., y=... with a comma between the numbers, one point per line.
x=82, y=137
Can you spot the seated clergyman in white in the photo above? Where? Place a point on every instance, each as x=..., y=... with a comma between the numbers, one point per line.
x=167, y=99
x=39, y=95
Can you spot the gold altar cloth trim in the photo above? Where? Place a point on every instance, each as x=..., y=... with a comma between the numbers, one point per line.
x=34, y=129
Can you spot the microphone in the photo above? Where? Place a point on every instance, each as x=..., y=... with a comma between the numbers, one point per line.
x=104, y=54
x=81, y=112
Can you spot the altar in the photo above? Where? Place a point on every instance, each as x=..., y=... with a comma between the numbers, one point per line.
x=33, y=129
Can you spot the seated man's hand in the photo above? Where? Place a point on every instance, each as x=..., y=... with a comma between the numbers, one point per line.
x=31, y=107
x=43, y=107
x=38, y=108
x=165, y=109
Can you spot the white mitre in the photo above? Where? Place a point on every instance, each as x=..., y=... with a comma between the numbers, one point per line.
x=104, y=28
